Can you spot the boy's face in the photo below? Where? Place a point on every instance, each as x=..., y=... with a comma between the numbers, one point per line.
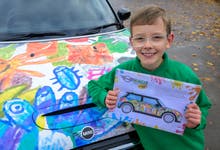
x=150, y=43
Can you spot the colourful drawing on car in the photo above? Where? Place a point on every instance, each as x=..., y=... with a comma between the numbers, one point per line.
x=38, y=78
x=132, y=102
x=36, y=53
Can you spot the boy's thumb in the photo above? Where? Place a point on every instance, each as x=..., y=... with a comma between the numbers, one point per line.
x=117, y=90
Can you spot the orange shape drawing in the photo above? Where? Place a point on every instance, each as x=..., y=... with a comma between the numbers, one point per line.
x=35, y=54
x=97, y=54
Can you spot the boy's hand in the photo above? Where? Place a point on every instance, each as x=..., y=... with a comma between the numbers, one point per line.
x=111, y=99
x=193, y=115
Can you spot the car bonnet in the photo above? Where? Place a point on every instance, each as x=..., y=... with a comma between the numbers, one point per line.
x=39, y=77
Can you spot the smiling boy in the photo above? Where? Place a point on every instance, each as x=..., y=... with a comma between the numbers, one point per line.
x=150, y=37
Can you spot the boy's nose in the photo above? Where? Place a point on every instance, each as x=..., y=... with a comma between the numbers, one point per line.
x=147, y=43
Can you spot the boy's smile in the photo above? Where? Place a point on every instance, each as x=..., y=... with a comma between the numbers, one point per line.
x=147, y=53
x=150, y=43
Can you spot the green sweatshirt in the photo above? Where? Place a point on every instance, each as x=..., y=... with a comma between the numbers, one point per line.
x=154, y=139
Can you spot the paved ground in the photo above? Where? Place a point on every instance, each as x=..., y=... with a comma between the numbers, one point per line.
x=196, y=24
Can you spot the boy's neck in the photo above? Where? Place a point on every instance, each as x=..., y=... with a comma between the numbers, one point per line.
x=152, y=68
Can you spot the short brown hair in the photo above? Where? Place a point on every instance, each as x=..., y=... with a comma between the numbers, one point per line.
x=148, y=15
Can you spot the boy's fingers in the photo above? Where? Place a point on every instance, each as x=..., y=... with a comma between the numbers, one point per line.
x=193, y=111
x=113, y=93
x=117, y=90
x=110, y=97
x=110, y=102
x=110, y=106
x=193, y=122
x=191, y=115
x=193, y=106
x=191, y=125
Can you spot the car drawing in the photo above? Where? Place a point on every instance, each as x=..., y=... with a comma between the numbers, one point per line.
x=151, y=106
x=49, y=51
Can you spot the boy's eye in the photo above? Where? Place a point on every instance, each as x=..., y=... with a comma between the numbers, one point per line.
x=157, y=38
x=139, y=39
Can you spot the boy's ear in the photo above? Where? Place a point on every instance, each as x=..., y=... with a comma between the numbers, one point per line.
x=170, y=39
x=130, y=41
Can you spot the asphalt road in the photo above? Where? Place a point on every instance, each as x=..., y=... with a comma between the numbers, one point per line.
x=196, y=25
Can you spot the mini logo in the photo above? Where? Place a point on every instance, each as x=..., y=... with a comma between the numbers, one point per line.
x=87, y=133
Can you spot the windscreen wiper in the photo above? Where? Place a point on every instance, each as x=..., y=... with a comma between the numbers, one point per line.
x=106, y=26
x=70, y=109
x=26, y=36
x=97, y=29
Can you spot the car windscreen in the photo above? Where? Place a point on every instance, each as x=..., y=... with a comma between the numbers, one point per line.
x=23, y=19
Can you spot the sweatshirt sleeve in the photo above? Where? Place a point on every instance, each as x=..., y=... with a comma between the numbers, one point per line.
x=204, y=103
x=98, y=89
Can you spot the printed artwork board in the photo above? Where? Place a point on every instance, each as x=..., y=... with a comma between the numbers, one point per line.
x=153, y=101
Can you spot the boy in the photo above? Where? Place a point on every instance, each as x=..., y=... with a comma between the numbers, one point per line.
x=150, y=37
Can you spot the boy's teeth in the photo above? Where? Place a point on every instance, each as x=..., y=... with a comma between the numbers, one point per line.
x=148, y=54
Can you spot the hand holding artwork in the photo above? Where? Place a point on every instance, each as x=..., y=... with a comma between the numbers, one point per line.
x=193, y=115
x=111, y=98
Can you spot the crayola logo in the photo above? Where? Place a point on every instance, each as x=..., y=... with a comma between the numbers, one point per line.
x=141, y=83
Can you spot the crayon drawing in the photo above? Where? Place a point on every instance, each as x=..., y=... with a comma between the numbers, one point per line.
x=153, y=101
